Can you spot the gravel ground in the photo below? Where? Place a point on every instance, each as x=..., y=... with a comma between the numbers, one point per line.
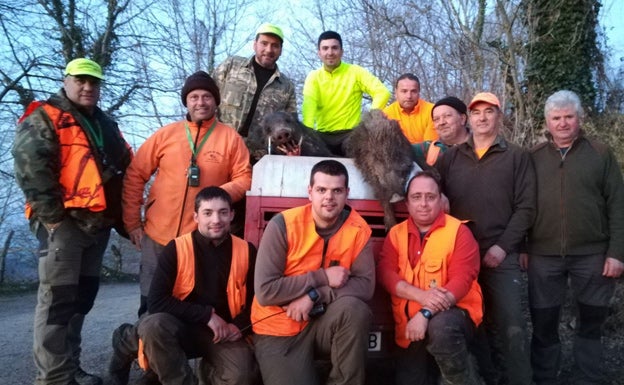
x=117, y=303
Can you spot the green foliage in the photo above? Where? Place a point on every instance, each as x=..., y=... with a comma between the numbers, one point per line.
x=563, y=52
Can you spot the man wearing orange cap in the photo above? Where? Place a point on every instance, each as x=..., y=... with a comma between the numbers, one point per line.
x=254, y=87
x=70, y=160
x=491, y=183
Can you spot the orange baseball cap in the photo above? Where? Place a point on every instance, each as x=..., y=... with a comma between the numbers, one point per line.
x=486, y=97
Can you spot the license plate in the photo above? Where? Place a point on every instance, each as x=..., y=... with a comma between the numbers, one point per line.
x=374, y=341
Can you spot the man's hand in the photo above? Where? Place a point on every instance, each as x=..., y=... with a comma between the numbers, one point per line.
x=234, y=334
x=613, y=268
x=523, y=260
x=494, y=256
x=417, y=328
x=337, y=276
x=219, y=327
x=136, y=236
x=299, y=309
x=436, y=299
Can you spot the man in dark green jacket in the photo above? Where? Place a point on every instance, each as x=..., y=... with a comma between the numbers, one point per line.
x=578, y=236
x=491, y=184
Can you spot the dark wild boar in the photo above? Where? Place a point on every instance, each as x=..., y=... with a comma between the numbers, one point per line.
x=384, y=157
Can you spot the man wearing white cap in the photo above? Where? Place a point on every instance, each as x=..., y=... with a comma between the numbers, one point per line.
x=491, y=184
x=254, y=87
x=70, y=159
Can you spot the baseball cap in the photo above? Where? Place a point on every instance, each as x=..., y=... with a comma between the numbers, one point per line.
x=270, y=29
x=486, y=97
x=84, y=66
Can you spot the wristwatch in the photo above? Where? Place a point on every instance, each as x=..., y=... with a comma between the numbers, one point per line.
x=313, y=294
x=426, y=313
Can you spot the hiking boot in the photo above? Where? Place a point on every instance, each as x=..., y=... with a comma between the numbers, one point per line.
x=148, y=378
x=125, y=342
x=83, y=378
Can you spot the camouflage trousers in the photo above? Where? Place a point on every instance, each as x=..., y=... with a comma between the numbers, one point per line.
x=443, y=354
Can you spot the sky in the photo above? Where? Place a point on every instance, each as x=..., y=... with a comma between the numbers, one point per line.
x=611, y=15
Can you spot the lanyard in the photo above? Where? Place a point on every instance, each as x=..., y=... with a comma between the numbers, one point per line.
x=98, y=136
x=195, y=150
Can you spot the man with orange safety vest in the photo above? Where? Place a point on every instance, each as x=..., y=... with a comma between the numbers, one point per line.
x=182, y=157
x=314, y=272
x=429, y=264
x=198, y=305
x=70, y=159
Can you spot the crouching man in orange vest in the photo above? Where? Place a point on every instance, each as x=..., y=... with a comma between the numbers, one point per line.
x=198, y=305
x=429, y=265
x=314, y=271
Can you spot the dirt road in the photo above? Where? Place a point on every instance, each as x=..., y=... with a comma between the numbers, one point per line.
x=115, y=304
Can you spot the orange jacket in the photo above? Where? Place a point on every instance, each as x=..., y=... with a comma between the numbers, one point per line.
x=417, y=125
x=79, y=175
x=305, y=253
x=185, y=280
x=430, y=271
x=223, y=161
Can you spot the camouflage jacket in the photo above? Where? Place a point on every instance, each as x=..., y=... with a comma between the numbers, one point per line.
x=36, y=155
x=237, y=84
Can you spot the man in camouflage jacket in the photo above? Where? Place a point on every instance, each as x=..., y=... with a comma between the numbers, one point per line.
x=254, y=87
x=70, y=159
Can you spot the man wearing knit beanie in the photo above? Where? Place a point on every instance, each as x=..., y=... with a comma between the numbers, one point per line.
x=449, y=119
x=200, y=80
x=190, y=154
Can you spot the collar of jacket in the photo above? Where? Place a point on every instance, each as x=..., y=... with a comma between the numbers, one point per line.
x=499, y=142
x=277, y=75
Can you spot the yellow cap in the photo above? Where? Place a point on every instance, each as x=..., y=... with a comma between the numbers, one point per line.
x=83, y=66
x=270, y=29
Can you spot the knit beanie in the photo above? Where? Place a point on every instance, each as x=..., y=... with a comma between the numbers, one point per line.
x=451, y=101
x=200, y=80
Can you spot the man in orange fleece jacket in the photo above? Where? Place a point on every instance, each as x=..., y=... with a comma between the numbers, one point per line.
x=192, y=153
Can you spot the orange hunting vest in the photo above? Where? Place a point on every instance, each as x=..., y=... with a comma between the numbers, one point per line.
x=305, y=253
x=185, y=280
x=432, y=153
x=79, y=175
x=429, y=271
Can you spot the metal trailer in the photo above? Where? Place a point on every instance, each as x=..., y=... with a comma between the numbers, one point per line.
x=280, y=183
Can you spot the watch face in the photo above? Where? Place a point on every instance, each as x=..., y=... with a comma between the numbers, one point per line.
x=313, y=294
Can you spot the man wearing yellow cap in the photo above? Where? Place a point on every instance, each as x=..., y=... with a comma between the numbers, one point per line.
x=491, y=183
x=70, y=159
x=254, y=87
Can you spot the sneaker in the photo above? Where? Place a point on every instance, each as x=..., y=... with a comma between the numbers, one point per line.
x=124, y=353
x=83, y=378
